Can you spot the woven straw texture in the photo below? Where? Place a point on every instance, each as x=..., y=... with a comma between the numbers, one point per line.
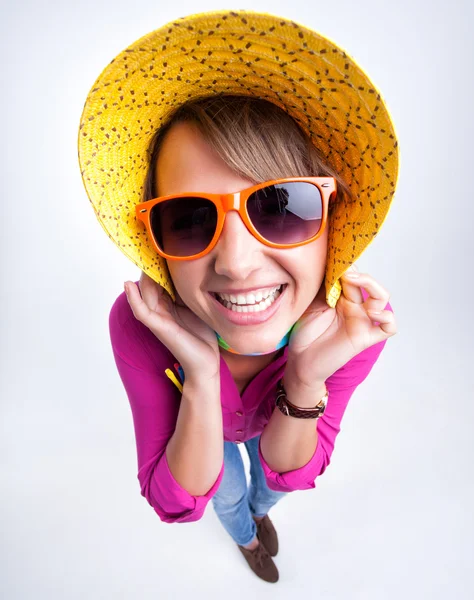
x=238, y=52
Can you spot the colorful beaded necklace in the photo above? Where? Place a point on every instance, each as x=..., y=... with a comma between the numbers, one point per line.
x=283, y=342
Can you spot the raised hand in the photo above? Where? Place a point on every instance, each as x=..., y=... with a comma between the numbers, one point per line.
x=324, y=339
x=187, y=337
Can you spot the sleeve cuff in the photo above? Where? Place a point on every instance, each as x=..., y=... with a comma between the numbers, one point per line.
x=171, y=501
x=298, y=479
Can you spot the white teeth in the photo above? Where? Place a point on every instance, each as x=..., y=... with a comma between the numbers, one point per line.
x=263, y=305
x=249, y=299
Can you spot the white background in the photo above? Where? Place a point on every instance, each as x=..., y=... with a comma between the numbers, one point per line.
x=392, y=515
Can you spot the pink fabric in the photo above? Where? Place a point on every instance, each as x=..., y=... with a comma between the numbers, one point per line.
x=141, y=361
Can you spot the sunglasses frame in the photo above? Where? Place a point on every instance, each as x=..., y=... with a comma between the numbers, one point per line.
x=238, y=201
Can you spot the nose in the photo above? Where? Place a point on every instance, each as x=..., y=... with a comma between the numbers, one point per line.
x=237, y=250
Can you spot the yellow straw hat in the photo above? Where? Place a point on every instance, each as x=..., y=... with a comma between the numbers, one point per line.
x=246, y=53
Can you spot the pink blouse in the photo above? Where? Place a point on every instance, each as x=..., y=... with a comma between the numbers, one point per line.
x=141, y=360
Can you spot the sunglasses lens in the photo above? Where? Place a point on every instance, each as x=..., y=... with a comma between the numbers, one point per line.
x=286, y=213
x=183, y=226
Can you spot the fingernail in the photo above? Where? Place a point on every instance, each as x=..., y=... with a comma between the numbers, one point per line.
x=352, y=275
x=125, y=288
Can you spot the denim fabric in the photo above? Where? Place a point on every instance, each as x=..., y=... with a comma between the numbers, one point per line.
x=233, y=502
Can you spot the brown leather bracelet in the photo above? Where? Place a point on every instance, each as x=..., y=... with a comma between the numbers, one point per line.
x=290, y=410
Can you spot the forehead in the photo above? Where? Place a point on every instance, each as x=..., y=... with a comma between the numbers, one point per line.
x=187, y=162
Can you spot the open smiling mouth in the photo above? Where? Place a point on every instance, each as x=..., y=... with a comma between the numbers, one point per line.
x=248, y=314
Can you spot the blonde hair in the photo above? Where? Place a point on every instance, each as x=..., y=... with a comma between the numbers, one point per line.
x=254, y=137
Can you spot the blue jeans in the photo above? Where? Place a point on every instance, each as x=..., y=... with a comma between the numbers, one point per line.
x=233, y=503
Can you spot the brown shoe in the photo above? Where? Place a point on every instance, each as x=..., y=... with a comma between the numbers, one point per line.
x=268, y=535
x=261, y=562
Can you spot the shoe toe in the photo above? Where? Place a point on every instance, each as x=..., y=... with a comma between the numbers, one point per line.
x=261, y=563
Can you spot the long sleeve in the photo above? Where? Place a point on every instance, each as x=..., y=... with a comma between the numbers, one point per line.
x=341, y=385
x=141, y=360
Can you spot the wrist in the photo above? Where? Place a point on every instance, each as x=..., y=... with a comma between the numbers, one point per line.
x=302, y=395
x=205, y=389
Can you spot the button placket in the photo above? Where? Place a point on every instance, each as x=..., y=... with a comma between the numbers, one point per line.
x=239, y=414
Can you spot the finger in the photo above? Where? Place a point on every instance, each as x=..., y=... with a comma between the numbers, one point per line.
x=352, y=286
x=157, y=318
x=147, y=304
x=135, y=300
x=384, y=323
x=153, y=294
x=145, y=283
x=352, y=293
x=149, y=290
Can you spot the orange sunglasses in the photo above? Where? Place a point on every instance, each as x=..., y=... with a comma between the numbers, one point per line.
x=280, y=213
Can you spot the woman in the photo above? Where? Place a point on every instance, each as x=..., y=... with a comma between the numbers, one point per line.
x=235, y=231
